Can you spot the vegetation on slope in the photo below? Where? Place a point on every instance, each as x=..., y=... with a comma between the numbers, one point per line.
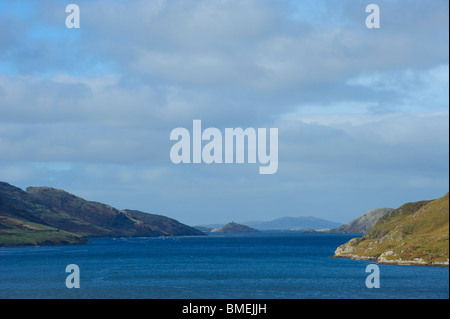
x=21, y=222
x=44, y=215
x=415, y=233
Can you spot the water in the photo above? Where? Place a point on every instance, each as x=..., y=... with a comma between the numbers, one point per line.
x=266, y=265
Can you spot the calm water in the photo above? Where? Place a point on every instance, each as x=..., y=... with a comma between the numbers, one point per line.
x=265, y=265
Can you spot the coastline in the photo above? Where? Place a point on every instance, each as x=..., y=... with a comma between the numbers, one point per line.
x=400, y=262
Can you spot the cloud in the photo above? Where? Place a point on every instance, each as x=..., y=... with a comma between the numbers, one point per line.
x=408, y=90
x=397, y=156
x=389, y=142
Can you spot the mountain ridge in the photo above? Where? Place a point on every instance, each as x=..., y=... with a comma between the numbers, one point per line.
x=296, y=223
x=46, y=215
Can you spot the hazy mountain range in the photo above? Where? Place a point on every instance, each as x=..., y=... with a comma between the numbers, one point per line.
x=301, y=222
x=283, y=223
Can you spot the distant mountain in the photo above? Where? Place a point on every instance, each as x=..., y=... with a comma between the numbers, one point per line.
x=286, y=223
x=416, y=233
x=362, y=224
x=234, y=228
x=44, y=215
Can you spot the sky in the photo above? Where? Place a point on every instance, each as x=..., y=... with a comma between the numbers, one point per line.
x=362, y=114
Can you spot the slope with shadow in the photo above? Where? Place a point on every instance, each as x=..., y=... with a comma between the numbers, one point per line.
x=21, y=221
x=165, y=225
x=44, y=215
x=88, y=218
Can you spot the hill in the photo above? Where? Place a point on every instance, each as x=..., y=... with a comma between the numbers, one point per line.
x=44, y=215
x=234, y=228
x=286, y=223
x=414, y=234
x=21, y=221
x=362, y=224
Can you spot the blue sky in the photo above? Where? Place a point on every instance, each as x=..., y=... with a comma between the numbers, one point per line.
x=362, y=113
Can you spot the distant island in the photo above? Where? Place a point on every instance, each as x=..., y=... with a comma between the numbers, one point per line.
x=48, y=216
x=234, y=228
x=414, y=234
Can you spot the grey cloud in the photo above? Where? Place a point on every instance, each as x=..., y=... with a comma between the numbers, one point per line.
x=249, y=51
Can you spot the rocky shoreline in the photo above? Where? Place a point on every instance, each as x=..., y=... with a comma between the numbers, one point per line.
x=399, y=261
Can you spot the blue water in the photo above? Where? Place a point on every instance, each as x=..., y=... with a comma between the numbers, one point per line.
x=267, y=265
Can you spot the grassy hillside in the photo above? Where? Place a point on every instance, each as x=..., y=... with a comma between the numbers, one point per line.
x=16, y=232
x=87, y=218
x=44, y=215
x=21, y=222
x=415, y=233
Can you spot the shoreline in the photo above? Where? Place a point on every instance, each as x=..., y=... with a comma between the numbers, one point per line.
x=393, y=262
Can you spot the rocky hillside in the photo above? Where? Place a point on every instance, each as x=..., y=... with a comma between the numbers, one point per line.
x=364, y=223
x=415, y=234
x=44, y=215
x=234, y=228
x=21, y=221
x=163, y=224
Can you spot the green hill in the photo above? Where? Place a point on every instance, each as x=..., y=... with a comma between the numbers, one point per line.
x=21, y=221
x=44, y=215
x=416, y=234
x=87, y=218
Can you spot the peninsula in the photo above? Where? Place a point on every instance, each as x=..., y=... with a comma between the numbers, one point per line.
x=414, y=234
x=46, y=216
